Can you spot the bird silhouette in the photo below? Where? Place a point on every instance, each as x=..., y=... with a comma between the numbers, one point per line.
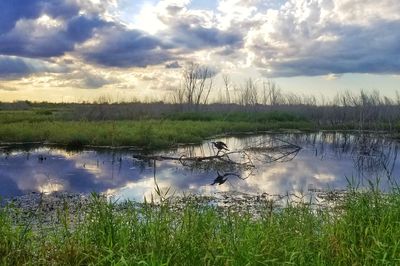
x=220, y=145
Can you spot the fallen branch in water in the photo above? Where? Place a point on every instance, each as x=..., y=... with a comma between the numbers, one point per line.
x=182, y=159
x=238, y=163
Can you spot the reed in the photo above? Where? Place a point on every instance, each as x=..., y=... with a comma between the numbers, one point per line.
x=364, y=230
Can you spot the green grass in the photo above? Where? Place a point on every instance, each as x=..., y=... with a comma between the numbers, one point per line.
x=147, y=134
x=54, y=124
x=365, y=230
x=7, y=117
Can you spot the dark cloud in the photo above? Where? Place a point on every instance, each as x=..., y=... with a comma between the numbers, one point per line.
x=59, y=8
x=81, y=28
x=119, y=47
x=32, y=40
x=198, y=37
x=11, y=67
x=356, y=49
x=22, y=44
x=95, y=81
x=13, y=10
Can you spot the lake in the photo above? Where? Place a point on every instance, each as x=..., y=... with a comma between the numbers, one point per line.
x=270, y=163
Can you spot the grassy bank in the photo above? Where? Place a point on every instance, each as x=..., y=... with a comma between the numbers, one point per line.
x=111, y=126
x=365, y=230
x=28, y=126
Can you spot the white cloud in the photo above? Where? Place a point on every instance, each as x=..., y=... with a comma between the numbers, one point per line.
x=365, y=11
x=147, y=19
x=325, y=36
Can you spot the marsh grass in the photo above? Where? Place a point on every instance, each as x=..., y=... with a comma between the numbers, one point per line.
x=56, y=124
x=148, y=134
x=364, y=230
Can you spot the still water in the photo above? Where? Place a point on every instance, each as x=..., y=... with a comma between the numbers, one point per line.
x=271, y=163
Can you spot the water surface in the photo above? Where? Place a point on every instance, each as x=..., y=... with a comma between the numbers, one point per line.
x=256, y=164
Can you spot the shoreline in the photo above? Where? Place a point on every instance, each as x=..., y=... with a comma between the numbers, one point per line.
x=34, y=144
x=45, y=208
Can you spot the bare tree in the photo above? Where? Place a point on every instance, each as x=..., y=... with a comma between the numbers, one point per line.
x=178, y=96
x=227, y=81
x=197, y=84
x=293, y=99
x=265, y=90
x=274, y=93
x=249, y=94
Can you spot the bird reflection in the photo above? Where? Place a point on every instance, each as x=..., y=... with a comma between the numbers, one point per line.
x=220, y=179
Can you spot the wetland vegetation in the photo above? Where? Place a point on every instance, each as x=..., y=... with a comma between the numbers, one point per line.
x=161, y=125
x=362, y=229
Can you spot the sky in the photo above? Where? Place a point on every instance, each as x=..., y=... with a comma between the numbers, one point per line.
x=82, y=50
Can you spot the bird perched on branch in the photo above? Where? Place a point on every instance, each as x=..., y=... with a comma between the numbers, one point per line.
x=220, y=146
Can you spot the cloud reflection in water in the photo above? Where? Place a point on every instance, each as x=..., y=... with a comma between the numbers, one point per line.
x=324, y=161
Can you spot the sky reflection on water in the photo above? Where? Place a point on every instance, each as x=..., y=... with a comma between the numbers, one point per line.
x=326, y=160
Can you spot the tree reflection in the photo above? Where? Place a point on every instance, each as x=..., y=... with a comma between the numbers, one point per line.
x=238, y=163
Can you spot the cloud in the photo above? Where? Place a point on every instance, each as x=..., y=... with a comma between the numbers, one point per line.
x=80, y=76
x=46, y=37
x=280, y=38
x=11, y=11
x=81, y=28
x=10, y=67
x=95, y=81
x=174, y=64
x=6, y=88
x=13, y=67
x=303, y=39
x=44, y=28
x=199, y=37
x=119, y=47
x=363, y=12
x=193, y=29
